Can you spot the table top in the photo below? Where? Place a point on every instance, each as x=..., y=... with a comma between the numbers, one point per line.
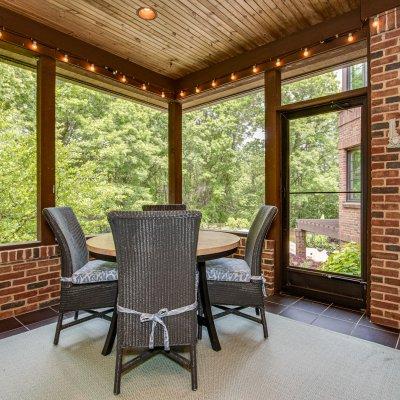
x=210, y=242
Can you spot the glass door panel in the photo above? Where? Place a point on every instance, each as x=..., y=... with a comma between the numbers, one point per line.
x=325, y=192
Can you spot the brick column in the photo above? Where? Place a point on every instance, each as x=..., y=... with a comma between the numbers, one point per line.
x=385, y=167
x=301, y=245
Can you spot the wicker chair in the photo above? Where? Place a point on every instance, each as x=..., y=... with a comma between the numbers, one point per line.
x=163, y=207
x=238, y=283
x=156, y=257
x=85, y=285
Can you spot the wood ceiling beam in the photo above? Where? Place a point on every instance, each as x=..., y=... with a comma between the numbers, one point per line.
x=22, y=25
x=369, y=8
x=345, y=23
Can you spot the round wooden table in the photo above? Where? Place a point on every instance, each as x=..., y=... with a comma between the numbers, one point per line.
x=211, y=245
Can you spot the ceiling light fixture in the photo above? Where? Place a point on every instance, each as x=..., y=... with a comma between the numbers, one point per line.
x=146, y=13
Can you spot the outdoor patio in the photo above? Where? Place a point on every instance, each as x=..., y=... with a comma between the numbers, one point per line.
x=200, y=199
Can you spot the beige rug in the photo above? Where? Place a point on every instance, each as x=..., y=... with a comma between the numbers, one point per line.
x=298, y=361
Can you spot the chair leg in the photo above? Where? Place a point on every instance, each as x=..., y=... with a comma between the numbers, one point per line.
x=118, y=371
x=264, y=322
x=76, y=315
x=193, y=366
x=257, y=311
x=58, y=328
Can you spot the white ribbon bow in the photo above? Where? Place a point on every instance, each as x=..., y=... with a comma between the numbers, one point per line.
x=157, y=318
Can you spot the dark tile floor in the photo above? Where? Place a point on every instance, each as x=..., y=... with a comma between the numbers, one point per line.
x=326, y=316
x=333, y=318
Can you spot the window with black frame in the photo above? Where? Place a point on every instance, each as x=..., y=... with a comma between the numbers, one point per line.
x=354, y=175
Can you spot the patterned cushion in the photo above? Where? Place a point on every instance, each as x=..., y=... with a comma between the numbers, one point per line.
x=228, y=269
x=95, y=271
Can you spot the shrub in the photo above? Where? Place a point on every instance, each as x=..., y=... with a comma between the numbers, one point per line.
x=321, y=242
x=345, y=261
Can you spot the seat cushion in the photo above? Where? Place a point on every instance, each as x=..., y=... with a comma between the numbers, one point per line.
x=228, y=269
x=95, y=271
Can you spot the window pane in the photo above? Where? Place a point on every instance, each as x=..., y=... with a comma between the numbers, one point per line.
x=111, y=154
x=339, y=80
x=313, y=149
x=17, y=154
x=223, y=161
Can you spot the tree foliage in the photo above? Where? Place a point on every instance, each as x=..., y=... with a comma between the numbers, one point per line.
x=112, y=154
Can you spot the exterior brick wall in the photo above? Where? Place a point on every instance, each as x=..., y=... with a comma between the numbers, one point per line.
x=29, y=279
x=267, y=262
x=385, y=171
x=349, y=137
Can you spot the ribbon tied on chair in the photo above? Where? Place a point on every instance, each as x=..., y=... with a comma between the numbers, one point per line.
x=157, y=318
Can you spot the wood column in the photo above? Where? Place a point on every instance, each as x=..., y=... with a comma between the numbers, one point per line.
x=175, y=152
x=273, y=164
x=46, y=131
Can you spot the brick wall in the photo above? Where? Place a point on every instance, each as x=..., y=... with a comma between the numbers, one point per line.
x=349, y=137
x=29, y=279
x=385, y=168
x=267, y=262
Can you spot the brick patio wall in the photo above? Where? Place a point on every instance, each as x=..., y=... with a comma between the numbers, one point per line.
x=29, y=279
x=385, y=171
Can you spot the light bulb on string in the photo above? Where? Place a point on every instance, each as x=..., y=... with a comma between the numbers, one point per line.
x=278, y=62
x=182, y=93
x=306, y=53
x=197, y=89
x=255, y=69
x=65, y=58
x=123, y=79
x=34, y=45
x=92, y=67
x=144, y=86
x=350, y=37
x=163, y=94
x=214, y=83
x=233, y=76
x=375, y=24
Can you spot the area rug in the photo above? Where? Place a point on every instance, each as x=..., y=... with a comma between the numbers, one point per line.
x=297, y=362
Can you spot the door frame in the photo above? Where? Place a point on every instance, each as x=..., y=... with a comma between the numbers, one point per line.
x=340, y=289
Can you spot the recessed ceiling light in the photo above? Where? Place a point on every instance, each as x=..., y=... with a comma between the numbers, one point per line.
x=147, y=13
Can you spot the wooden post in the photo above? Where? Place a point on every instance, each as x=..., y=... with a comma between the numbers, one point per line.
x=273, y=164
x=46, y=131
x=175, y=152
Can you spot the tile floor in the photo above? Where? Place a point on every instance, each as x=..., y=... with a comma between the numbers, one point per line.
x=333, y=318
x=326, y=316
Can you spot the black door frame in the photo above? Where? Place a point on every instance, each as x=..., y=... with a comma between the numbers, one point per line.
x=340, y=289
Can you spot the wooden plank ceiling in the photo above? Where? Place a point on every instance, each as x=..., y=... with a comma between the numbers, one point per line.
x=188, y=35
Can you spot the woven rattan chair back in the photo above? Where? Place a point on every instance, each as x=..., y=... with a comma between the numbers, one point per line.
x=156, y=257
x=163, y=207
x=256, y=236
x=70, y=238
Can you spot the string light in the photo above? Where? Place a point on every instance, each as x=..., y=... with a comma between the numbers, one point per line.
x=92, y=68
x=375, y=24
x=65, y=58
x=197, y=89
x=163, y=94
x=182, y=93
x=34, y=45
x=350, y=37
x=278, y=62
x=214, y=83
x=144, y=86
x=255, y=69
x=123, y=79
x=306, y=53
x=233, y=76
